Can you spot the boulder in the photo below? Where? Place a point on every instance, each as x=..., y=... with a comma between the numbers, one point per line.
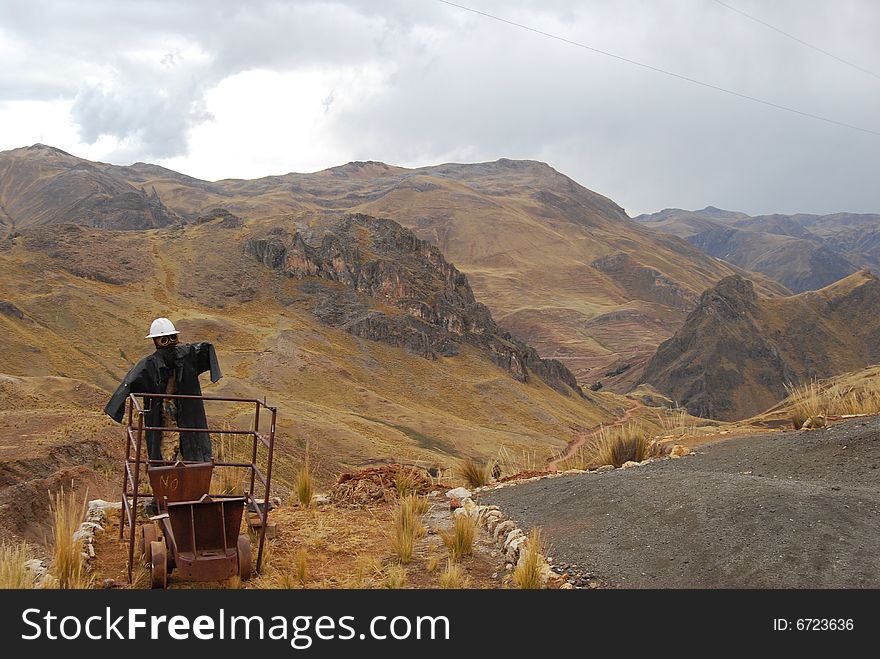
x=512, y=535
x=629, y=463
x=458, y=493
x=512, y=552
x=502, y=530
x=603, y=468
x=678, y=451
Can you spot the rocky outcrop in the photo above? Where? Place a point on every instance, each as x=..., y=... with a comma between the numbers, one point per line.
x=222, y=219
x=378, y=281
x=10, y=310
x=644, y=283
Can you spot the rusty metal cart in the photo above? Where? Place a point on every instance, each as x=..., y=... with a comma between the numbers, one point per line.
x=195, y=532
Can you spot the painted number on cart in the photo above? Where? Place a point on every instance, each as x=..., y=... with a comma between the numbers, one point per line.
x=169, y=483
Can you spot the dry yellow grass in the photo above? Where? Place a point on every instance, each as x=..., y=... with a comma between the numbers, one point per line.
x=406, y=482
x=229, y=480
x=432, y=563
x=68, y=565
x=395, y=577
x=303, y=486
x=459, y=539
x=13, y=573
x=454, y=576
x=301, y=566
x=527, y=574
x=620, y=444
x=806, y=401
x=676, y=422
x=406, y=527
x=475, y=475
x=514, y=462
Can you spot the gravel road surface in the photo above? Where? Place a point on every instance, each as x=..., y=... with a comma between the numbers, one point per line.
x=776, y=510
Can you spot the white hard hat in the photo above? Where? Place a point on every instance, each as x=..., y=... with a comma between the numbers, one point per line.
x=161, y=327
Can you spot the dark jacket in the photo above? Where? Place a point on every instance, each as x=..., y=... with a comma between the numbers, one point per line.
x=150, y=376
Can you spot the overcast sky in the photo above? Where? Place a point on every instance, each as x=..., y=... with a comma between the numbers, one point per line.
x=220, y=89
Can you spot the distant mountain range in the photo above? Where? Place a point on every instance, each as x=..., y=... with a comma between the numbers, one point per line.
x=802, y=252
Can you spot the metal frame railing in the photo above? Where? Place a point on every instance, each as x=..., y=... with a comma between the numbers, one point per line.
x=133, y=464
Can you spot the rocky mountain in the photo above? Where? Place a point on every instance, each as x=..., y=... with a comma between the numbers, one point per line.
x=558, y=265
x=737, y=349
x=802, y=252
x=433, y=309
x=41, y=185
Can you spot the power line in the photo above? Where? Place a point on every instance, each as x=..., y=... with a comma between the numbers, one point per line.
x=800, y=41
x=663, y=71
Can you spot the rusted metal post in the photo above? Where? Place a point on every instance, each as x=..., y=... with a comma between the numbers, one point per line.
x=256, y=439
x=123, y=517
x=268, y=489
x=136, y=489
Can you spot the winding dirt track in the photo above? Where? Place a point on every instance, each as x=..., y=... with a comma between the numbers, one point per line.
x=775, y=510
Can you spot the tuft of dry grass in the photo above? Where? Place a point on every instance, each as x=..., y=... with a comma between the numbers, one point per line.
x=406, y=527
x=432, y=563
x=13, y=573
x=806, y=401
x=475, y=475
x=301, y=566
x=511, y=463
x=407, y=482
x=395, y=577
x=676, y=422
x=453, y=576
x=459, y=539
x=303, y=485
x=528, y=572
x=620, y=444
x=368, y=570
x=419, y=504
x=68, y=564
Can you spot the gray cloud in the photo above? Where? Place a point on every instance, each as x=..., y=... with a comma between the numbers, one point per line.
x=462, y=87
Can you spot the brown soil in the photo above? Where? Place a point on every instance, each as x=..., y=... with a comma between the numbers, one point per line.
x=345, y=548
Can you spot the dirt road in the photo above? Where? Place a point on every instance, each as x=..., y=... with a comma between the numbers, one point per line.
x=777, y=510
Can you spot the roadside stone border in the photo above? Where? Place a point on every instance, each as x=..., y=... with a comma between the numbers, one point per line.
x=511, y=539
x=96, y=520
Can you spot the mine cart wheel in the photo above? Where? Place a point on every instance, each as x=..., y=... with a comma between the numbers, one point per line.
x=149, y=534
x=158, y=564
x=244, y=557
